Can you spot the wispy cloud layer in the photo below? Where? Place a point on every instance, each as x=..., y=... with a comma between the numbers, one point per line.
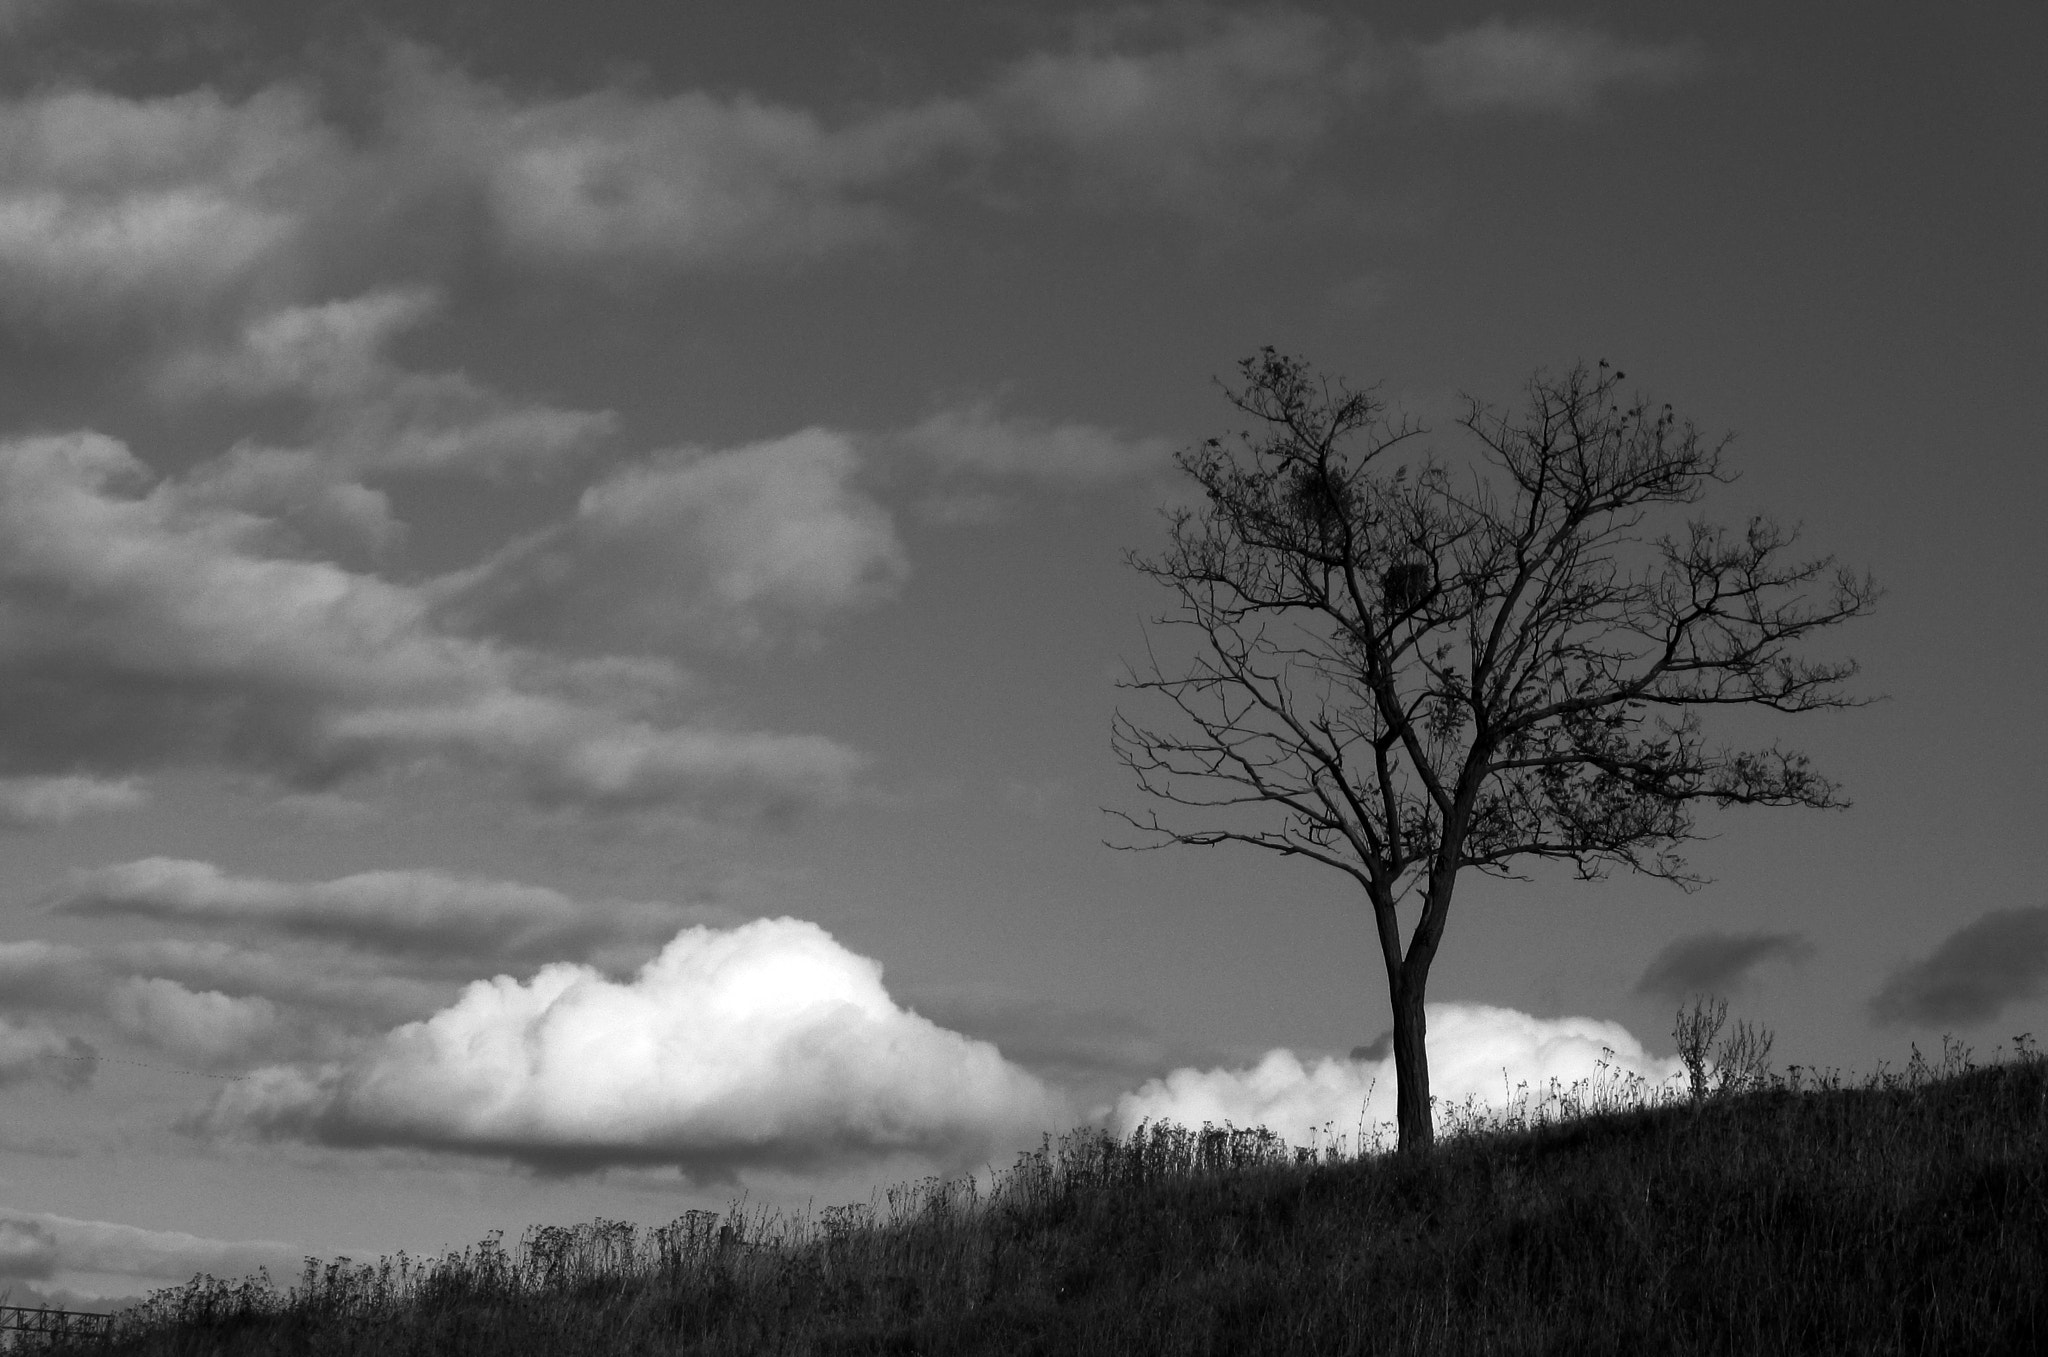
x=976, y=439
x=27, y=802
x=149, y=629
x=197, y=209
x=368, y=413
x=332, y=991
x=420, y=913
x=687, y=180
x=765, y=1046
x=1478, y=1056
x=1541, y=66
x=38, y=1245
x=1188, y=107
x=1976, y=972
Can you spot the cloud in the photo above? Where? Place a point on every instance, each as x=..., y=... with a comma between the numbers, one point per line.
x=212, y=1001
x=1201, y=107
x=1540, y=66
x=690, y=180
x=31, y=1051
x=49, y=975
x=315, y=507
x=32, y=802
x=1187, y=106
x=144, y=629
x=764, y=1046
x=1716, y=962
x=975, y=440
x=1977, y=971
x=28, y=1250
x=207, y=1027
x=1092, y=1053
x=699, y=545
x=345, y=983
x=114, y=209
x=201, y=212
x=62, y=1244
x=197, y=210
x=16, y=15
x=418, y=913
x=369, y=413
x=1476, y=1053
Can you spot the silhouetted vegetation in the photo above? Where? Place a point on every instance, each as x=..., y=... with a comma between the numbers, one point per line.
x=1750, y=1213
x=1402, y=676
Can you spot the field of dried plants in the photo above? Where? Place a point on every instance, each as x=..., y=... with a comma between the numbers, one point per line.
x=1755, y=1212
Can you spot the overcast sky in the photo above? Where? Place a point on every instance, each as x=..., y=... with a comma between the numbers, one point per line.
x=560, y=582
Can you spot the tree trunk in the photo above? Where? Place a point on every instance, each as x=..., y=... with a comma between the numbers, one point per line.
x=1411, y=1071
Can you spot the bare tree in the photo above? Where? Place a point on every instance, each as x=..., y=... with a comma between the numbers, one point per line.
x=1404, y=673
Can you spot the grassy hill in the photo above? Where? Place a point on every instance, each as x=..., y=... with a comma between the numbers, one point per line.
x=1907, y=1214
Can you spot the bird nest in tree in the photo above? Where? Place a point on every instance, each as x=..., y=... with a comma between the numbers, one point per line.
x=1404, y=585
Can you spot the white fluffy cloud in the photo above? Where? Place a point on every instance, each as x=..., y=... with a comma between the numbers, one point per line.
x=1477, y=1054
x=764, y=1046
x=701, y=545
x=144, y=629
x=421, y=913
x=35, y=801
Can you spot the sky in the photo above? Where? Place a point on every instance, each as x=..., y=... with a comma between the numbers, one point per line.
x=562, y=575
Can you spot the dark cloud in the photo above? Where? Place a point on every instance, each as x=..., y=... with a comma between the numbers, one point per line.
x=1716, y=962
x=1379, y=1048
x=1977, y=970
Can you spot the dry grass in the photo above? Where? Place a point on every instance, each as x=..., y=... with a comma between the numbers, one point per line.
x=1754, y=1213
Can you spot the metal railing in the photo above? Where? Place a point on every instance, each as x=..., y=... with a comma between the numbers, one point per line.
x=18, y=1321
